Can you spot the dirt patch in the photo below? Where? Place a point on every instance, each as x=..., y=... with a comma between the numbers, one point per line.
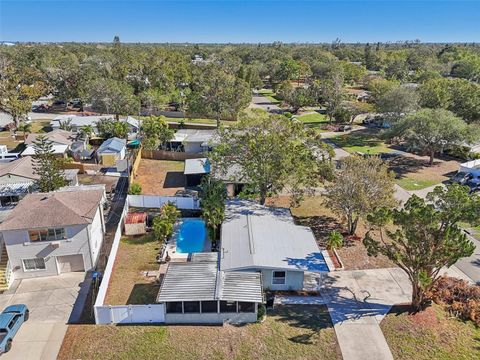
x=160, y=177
x=322, y=221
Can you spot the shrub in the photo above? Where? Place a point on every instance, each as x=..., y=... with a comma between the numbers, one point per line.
x=262, y=312
x=288, y=114
x=459, y=297
x=135, y=189
x=334, y=240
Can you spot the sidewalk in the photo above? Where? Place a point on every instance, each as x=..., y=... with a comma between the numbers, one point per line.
x=358, y=300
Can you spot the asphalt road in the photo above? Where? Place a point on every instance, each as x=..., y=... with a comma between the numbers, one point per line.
x=470, y=266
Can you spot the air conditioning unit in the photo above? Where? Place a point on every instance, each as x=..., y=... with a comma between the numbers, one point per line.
x=55, y=244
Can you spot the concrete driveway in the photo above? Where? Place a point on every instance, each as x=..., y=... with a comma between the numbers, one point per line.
x=50, y=301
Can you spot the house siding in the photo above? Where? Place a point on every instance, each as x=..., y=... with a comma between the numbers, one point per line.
x=294, y=280
x=97, y=231
x=19, y=247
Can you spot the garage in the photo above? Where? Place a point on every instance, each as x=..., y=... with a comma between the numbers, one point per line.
x=70, y=263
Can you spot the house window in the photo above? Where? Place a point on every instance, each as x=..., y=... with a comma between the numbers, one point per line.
x=34, y=264
x=279, y=277
x=174, y=307
x=228, y=307
x=209, y=307
x=47, y=234
x=191, y=306
x=246, y=307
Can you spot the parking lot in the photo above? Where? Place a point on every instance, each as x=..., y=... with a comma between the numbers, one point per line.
x=50, y=301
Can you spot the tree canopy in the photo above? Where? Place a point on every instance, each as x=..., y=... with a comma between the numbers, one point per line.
x=425, y=236
x=433, y=130
x=274, y=154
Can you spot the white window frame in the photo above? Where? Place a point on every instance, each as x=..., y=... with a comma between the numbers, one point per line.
x=29, y=270
x=273, y=277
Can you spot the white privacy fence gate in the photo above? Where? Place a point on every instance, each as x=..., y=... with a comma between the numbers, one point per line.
x=153, y=201
x=130, y=314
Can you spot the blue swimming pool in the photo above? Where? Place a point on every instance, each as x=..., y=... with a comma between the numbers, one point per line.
x=191, y=236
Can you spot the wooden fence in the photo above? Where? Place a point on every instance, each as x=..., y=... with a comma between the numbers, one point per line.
x=169, y=155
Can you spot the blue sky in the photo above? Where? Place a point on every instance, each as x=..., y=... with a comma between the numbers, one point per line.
x=240, y=21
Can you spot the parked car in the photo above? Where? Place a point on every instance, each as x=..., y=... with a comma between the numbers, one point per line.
x=11, y=319
x=344, y=127
x=461, y=178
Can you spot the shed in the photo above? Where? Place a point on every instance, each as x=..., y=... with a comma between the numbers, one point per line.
x=136, y=223
x=112, y=150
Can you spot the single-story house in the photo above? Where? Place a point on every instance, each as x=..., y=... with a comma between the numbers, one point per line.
x=192, y=141
x=76, y=122
x=17, y=178
x=267, y=240
x=52, y=233
x=198, y=292
x=61, y=142
x=81, y=151
x=111, y=151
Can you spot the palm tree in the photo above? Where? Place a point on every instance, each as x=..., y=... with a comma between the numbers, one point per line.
x=86, y=131
x=213, y=203
x=24, y=128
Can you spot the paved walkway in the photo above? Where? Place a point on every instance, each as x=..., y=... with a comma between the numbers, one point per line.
x=358, y=301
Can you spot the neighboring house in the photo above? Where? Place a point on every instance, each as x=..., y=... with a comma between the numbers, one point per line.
x=197, y=292
x=81, y=151
x=77, y=122
x=61, y=142
x=52, y=233
x=111, y=151
x=17, y=179
x=266, y=240
x=193, y=141
x=196, y=169
x=6, y=156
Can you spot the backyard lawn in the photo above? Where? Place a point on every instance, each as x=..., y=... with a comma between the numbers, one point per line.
x=363, y=143
x=431, y=334
x=299, y=332
x=270, y=95
x=7, y=139
x=40, y=126
x=160, y=177
x=128, y=285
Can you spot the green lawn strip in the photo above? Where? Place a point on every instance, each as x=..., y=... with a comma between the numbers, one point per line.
x=409, y=183
x=127, y=284
x=313, y=118
x=270, y=95
x=430, y=335
x=288, y=332
x=360, y=143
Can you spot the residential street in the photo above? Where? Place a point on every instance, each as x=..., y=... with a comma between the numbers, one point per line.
x=50, y=301
x=471, y=265
x=261, y=102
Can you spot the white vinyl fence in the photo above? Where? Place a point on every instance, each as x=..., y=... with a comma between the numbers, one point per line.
x=130, y=314
x=153, y=201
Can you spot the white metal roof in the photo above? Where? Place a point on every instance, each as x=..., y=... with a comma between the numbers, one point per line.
x=197, y=166
x=200, y=280
x=193, y=135
x=57, y=149
x=255, y=236
x=189, y=281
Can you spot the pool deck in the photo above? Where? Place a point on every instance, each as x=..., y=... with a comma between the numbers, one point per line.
x=171, y=247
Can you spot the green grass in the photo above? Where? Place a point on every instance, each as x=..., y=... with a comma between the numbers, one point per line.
x=127, y=284
x=313, y=118
x=409, y=183
x=360, y=143
x=432, y=334
x=299, y=332
x=467, y=225
x=270, y=95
